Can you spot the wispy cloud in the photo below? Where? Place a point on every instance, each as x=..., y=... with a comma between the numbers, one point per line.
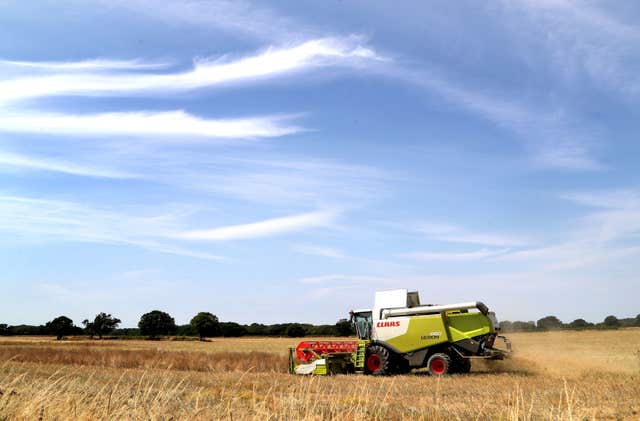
x=290, y=179
x=158, y=124
x=63, y=220
x=272, y=62
x=93, y=65
x=457, y=234
x=616, y=216
x=600, y=236
x=581, y=39
x=551, y=136
x=616, y=199
x=266, y=228
x=241, y=18
x=56, y=220
x=19, y=161
x=344, y=278
x=315, y=250
x=454, y=256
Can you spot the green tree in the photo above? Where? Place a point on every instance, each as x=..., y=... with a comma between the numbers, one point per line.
x=60, y=326
x=344, y=328
x=232, y=329
x=206, y=324
x=322, y=330
x=4, y=329
x=156, y=323
x=186, y=330
x=295, y=330
x=637, y=321
x=549, y=323
x=519, y=326
x=580, y=324
x=102, y=324
x=506, y=326
x=278, y=329
x=257, y=329
x=611, y=321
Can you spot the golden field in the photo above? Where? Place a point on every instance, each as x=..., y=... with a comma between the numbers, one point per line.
x=554, y=375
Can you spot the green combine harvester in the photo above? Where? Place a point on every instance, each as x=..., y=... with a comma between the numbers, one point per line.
x=400, y=334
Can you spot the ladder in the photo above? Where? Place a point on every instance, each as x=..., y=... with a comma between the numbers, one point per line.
x=359, y=356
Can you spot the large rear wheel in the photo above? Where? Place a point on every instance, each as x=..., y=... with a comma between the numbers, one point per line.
x=377, y=361
x=439, y=364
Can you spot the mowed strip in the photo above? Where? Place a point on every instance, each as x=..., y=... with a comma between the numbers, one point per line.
x=224, y=361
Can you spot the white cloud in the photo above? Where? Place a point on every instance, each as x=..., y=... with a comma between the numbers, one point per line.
x=272, y=62
x=598, y=237
x=266, y=228
x=454, y=256
x=162, y=124
x=321, y=251
x=344, y=278
x=457, y=234
x=237, y=17
x=43, y=219
x=278, y=179
x=603, y=235
x=63, y=220
x=93, y=65
x=553, y=138
x=617, y=199
x=47, y=164
x=617, y=217
x=581, y=39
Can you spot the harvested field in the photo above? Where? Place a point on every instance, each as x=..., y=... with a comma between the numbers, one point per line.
x=556, y=375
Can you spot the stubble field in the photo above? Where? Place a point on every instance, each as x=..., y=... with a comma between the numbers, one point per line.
x=555, y=375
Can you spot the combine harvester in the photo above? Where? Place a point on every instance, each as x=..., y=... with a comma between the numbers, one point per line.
x=400, y=334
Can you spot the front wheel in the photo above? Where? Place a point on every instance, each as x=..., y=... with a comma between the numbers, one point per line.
x=439, y=364
x=377, y=361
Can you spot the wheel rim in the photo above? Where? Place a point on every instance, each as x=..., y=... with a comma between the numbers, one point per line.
x=438, y=366
x=374, y=363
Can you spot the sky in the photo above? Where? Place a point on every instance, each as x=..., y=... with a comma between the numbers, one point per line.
x=281, y=162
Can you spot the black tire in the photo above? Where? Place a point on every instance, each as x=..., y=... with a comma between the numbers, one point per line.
x=401, y=366
x=439, y=364
x=461, y=366
x=378, y=361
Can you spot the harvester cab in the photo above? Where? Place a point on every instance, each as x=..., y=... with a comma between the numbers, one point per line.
x=399, y=334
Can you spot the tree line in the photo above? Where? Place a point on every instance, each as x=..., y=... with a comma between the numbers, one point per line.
x=204, y=324
x=553, y=323
x=158, y=323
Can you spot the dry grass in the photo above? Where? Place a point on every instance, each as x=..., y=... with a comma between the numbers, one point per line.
x=559, y=375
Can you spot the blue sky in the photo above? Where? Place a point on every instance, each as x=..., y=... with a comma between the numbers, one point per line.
x=281, y=162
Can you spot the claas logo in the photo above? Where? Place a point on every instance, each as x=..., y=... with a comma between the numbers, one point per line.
x=387, y=324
